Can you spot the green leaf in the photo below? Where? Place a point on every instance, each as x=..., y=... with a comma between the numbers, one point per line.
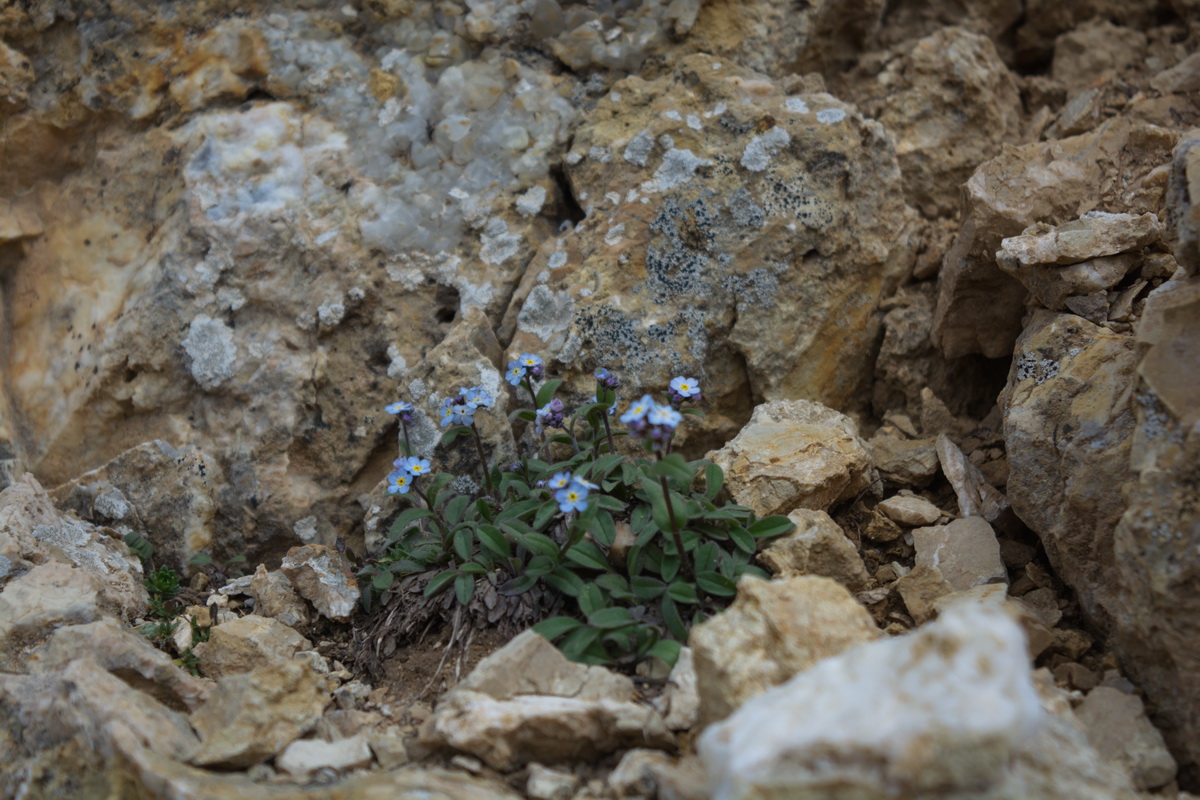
x=464, y=587
x=667, y=650
x=493, y=540
x=646, y=588
x=545, y=393
x=522, y=413
x=608, y=503
x=715, y=583
x=634, y=561
x=575, y=643
x=455, y=509
x=670, y=567
x=705, y=557
x=539, y=544
x=452, y=434
x=473, y=568
x=464, y=543
x=591, y=599
x=603, y=465
x=440, y=582
x=200, y=560
x=605, y=530
x=518, y=585
x=742, y=540
x=613, y=583
x=436, y=484
x=674, y=622
x=683, y=592
x=517, y=509
x=555, y=627
x=771, y=526
x=658, y=506
x=545, y=514
x=750, y=569
x=610, y=618
x=673, y=468
x=566, y=581
x=695, y=412
x=407, y=517
x=382, y=580
x=587, y=554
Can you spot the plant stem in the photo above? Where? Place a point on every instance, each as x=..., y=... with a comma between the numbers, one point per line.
x=487, y=476
x=408, y=451
x=612, y=448
x=532, y=393
x=684, y=562
x=437, y=517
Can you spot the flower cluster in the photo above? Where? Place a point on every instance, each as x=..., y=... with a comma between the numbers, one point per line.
x=551, y=415
x=572, y=491
x=400, y=480
x=525, y=364
x=683, y=389
x=405, y=410
x=606, y=379
x=646, y=417
x=460, y=409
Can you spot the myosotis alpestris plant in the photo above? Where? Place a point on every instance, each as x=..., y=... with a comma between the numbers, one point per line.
x=639, y=541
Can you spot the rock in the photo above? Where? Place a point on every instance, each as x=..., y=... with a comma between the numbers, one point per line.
x=979, y=307
x=976, y=497
x=323, y=577
x=639, y=773
x=1094, y=235
x=715, y=219
x=252, y=716
x=680, y=701
x=965, y=552
x=45, y=597
x=951, y=104
x=795, y=454
x=526, y=702
x=881, y=529
x=942, y=711
x=921, y=589
x=550, y=784
x=910, y=510
x=1183, y=202
x=772, y=631
x=275, y=597
x=33, y=532
x=1170, y=324
x=247, y=643
x=305, y=756
x=1117, y=727
x=904, y=461
x=1077, y=676
x=1095, y=50
x=389, y=748
x=1067, y=428
x=817, y=546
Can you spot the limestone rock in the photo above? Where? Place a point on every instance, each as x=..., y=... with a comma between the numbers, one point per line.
x=526, y=702
x=45, y=597
x=951, y=104
x=247, y=643
x=680, y=701
x=740, y=243
x=550, y=784
x=818, y=546
x=979, y=307
x=1117, y=727
x=795, y=454
x=1094, y=235
x=639, y=773
x=1068, y=421
x=910, y=510
x=305, y=756
x=904, y=461
x=772, y=631
x=274, y=596
x=965, y=552
x=1095, y=50
x=1170, y=324
x=1183, y=204
x=921, y=590
x=976, y=497
x=251, y=716
x=323, y=577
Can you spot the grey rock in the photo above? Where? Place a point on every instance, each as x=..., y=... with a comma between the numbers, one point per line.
x=965, y=552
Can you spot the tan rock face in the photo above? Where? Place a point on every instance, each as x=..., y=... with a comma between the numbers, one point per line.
x=1117, y=727
x=323, y=577
x=773, y=630
x=818, y=546
x=795, y=454
x=965, y=552
x=247, y=643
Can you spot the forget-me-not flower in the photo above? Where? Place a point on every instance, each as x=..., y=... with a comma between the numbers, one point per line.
x=638, y=410
x=515, y=373
x=573, y=498
x=560, y=481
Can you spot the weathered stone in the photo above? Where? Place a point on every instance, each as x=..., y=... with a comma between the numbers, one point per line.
x=1117, y=727
x=979, y=307
x=904, y=461
x=772, y=631
x=45, y=597
x=976, y=497
x=323, y=577
x=1095, y=50
x=247, y=643
x=951, y=104
x=965, y=552
x=274, y=596
x=550, y=784
x=818, y=546
x=251, y=716
x=1094, y=235
x=680, y=701
x=881, y=529
x=921, y=589
x=941, y=711
x=910, y=510
x=1067, y=426
x=638, y=774
x=526, y=702
x=1170, y=324
x=795, y=454
x=305, y=756
x=1183, y=203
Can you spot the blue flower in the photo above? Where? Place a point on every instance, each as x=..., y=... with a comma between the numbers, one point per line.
x=416, y=466
x=664, y=416
x=399, y=482
x=477, y=397
x=584, y=484
x=462, y=414
x=529, y=360
x=560, y=481
x=447, y=412
x=685, y=387
x=398, y=408
x=573, y=498
x=515, y=373
x=639, y=409
x=606, y=378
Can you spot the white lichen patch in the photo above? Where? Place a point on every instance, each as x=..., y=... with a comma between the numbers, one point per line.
x=531, y=202
x=796, y=105
x=209, y=345
x=638, y=150
x=694, y=122
x=330, y=315
x=398, y=365
x=574, y=157
x=613, y=198
x=306, y=529
x=830, y=116
x=615, y=234
x=717, y=110
x=761, y=149
x=498, y=245
x=600, y=153
x=673, y=114
x=678, y=167
x=556, y=260
x=546, y=313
